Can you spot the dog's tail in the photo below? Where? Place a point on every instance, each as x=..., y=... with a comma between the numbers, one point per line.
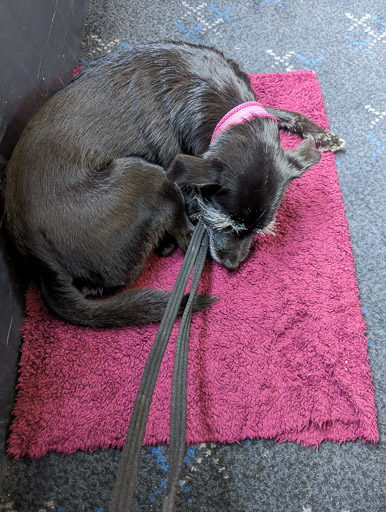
x=130, y=307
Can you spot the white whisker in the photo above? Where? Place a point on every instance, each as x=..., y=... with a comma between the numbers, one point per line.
x=216, y=219
x=269, y=229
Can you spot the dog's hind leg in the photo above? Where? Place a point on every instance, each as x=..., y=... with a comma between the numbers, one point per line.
x=299, y=124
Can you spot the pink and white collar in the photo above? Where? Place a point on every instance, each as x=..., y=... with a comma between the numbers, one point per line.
x=238, y=115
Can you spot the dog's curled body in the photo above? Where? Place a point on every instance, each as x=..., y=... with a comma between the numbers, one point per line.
x=88, y=214
x=98, y=239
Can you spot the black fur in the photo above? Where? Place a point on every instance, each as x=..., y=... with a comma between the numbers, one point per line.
x=88, y=214
x=94, y=235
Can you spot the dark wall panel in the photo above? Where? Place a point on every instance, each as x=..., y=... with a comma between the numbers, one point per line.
x=39, y=47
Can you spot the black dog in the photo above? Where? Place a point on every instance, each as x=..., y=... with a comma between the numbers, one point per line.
x=88, y=215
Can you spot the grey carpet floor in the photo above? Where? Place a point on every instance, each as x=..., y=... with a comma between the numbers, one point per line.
x=343, y=41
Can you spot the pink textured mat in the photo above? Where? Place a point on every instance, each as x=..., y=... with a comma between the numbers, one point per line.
x=281, y=355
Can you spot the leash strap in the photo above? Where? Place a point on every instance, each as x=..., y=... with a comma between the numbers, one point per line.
x=127, y=473
x=179, y=387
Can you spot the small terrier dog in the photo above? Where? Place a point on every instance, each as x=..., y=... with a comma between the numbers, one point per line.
x=87, y=201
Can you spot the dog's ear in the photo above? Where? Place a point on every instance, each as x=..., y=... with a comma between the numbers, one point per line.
x=193, y=170
x=301, y=158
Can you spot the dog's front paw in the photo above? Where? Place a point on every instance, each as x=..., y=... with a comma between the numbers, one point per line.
x=328, y=141
x=184, y=239
x=166, y=246
x=166, y=250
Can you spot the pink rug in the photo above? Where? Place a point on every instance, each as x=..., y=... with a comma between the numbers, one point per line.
x=281, y=355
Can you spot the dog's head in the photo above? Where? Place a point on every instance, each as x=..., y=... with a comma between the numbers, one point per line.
x=237, y=186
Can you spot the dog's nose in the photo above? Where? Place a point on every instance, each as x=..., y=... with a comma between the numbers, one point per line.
x=230, y=265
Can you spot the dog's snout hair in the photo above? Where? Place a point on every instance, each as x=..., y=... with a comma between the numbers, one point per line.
x=215, y=219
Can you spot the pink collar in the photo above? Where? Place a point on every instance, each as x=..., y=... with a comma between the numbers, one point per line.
x=238, y=115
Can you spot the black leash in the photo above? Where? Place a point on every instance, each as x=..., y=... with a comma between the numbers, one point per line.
x=179, y=387
x=127, y=473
